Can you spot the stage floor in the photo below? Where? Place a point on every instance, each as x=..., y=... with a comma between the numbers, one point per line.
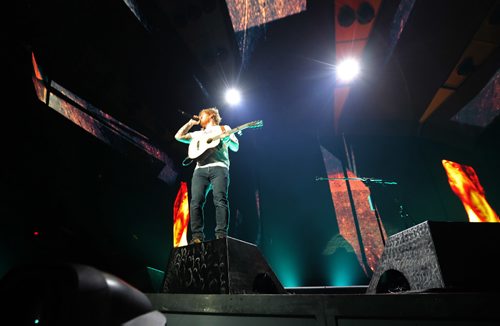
x=335, y=306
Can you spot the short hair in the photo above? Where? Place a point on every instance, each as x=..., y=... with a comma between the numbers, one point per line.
x=213, y=113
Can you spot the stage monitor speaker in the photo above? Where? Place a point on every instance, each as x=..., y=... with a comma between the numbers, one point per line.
x=222, y=266
x=439, y=256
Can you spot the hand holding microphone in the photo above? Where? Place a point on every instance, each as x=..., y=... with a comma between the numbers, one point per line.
x=195, y=120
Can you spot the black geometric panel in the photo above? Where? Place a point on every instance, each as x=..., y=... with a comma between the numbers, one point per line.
x=223, y=266
x=449, y=256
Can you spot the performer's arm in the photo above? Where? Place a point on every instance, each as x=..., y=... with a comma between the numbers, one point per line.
x=183, y=135
x=232, y=142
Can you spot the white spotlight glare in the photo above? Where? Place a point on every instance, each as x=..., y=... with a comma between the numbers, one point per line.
x=348, y=70
x=233, y=96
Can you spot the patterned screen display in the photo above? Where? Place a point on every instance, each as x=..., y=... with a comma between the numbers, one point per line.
x=249, y=13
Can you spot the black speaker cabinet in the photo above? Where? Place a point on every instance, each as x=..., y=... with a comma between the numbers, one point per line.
x=222, y=266
x=439, y=256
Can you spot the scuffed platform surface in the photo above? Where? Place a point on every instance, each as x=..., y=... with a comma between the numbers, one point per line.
x=409, y=309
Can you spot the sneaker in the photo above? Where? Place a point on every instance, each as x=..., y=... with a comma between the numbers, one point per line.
x=195, y=240
x=218, y=236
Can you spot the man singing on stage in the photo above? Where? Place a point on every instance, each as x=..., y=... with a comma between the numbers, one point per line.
x=211, y=172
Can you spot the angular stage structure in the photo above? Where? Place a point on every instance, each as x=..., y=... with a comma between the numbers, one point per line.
x=435, y=273
x=222, y=266
x=449, y=256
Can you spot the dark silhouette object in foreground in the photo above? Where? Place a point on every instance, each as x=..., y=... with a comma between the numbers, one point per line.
x=72, y=294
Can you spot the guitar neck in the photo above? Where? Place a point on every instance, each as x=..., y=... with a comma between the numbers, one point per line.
x=229, y=132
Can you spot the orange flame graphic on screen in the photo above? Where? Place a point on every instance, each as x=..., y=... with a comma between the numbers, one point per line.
x=36, y=70
x=465, y=184
x=181, y=216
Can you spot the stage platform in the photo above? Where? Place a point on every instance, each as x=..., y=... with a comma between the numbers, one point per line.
x=330, y=307
x=427, y=276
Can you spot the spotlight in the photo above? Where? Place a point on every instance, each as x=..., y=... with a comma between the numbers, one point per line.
x=348, y=70
x=233, y=96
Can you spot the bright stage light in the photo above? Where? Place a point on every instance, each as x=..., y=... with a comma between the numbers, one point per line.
x=233, y=96
x=348, y=70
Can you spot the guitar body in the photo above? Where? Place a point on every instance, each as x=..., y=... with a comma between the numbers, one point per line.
x=200, y=145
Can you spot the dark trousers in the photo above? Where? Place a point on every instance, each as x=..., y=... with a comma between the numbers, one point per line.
x=203, y=180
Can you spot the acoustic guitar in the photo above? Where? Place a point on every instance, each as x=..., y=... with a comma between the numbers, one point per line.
x=201, y=144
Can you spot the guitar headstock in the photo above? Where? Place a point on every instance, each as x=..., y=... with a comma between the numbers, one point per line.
x=255, y=124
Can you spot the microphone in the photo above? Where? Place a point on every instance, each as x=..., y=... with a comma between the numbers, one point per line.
x=191, y=116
